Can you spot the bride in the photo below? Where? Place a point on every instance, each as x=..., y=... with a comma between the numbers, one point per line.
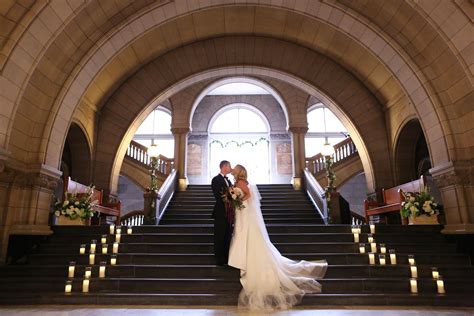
x=269, y=280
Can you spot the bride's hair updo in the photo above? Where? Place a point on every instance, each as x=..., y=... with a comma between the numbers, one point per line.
x=240, y=173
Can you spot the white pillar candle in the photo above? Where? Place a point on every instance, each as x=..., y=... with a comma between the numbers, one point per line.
x=88, y=273
x=373, y=247
x=370, y=238
x=115, y=247
x=68, y=287
x=371, y=258
x=413, y=286
x=82, y=249
x=356, y=237
x=91, y=258
x=85, y=286
x=129, y=230
x=113, y=260
x=414, y=271
x=358, y=229
x=111, y=229
x=435, y=273
x=104, y=249
x=382, y=260
x=117, y=237
x=71, y=269
x=118, y=230
x=103, y=240
x=102, y=270
x=93, y=245
x=362, y=248
x=393, y=256
x=411, y=260
x=353, y=229
x=383, y=249
x=440, y=285
x=372, y=228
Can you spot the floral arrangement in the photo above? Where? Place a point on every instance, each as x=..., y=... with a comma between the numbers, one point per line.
x=77, y=205
x=419, y=203
x=233, y=197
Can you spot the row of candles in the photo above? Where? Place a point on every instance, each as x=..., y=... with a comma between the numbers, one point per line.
x=92, y=251
x=356, y=231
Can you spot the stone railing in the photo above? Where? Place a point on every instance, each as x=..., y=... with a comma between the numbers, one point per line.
x=342, y=151
x=139, y=154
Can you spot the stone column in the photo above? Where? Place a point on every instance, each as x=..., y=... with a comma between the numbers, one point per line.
x=297, y=139
x=455, y=183
x=180, y=144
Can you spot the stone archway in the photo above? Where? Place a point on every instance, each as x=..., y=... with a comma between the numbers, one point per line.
x=77, y=155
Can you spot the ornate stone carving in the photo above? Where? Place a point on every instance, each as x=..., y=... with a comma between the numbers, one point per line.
x=24, y=179
x=298, y=129
x=180, y=130
x=454, y=173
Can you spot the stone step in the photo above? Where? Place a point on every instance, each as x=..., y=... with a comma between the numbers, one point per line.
x=166, y=221
x=207, y=215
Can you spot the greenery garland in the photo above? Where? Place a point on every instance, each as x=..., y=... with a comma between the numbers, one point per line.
x=261, y=139
x=329, y=161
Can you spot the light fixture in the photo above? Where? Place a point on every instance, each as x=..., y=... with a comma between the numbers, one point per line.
x=327, y=149
x=153, y=150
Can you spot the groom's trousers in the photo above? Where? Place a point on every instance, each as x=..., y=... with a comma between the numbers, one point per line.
x=222, y=237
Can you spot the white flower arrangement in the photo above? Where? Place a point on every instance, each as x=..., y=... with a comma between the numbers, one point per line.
x=419, y=203
x=77, y=205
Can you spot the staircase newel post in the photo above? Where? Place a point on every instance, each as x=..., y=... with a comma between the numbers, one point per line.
x=180, y=150
x=151, y=207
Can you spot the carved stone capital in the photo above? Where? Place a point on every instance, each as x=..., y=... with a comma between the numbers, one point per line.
x=453, y=173
x=180, y=130
x=44, y=177
x=298, y=129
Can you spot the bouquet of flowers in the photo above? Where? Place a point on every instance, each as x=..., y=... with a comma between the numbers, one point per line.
x=77, y=205
x=419, y=203
x=233, y=197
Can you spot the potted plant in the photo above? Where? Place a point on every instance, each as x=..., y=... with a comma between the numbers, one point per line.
x=76, y=209
x=420, y=208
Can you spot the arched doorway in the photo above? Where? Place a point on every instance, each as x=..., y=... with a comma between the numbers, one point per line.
x=239, y=133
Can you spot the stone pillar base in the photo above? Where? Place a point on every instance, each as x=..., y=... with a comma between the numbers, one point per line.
x=297, y=183
x=182, y=184
x=458, y=229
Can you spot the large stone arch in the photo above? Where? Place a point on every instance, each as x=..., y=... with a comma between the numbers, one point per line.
x=80, y=148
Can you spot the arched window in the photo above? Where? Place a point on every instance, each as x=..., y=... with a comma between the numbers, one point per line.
x=157, y=128
x=322, y=125
x=238, y=119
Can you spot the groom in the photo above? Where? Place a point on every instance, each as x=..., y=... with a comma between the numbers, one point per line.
x=222, y=227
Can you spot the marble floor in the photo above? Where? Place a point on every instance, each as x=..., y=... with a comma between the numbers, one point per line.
x=224, y=311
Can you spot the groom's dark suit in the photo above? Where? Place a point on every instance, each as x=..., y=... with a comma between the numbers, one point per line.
x=222, y=228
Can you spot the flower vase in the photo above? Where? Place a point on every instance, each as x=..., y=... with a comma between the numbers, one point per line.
x=423, y=220
x=64, y=220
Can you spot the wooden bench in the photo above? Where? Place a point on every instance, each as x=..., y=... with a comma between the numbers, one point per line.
x=392, y=199
x=104, y=208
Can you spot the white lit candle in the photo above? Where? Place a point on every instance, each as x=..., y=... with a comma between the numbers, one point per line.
x=440, y=285
x=91, y=258
x=104, y=249
x=414, y=271
x=102, y=270
x=113, y=260
x=373, y=247
x=435, y=273
x=371, y=258
x=93, y=245
x=356, y=237
x=129, y=230
x=117, y=237
x=353, y=229
x=82, y=249
x=362, y=248
x=413, y=286
x=68, y=287
x=118, y=230
x=103, y=240
x=372, y=228
x=111, y=229
x=382, y=260
x=411, y=260
x=358, y=229
x=88, y=273
x=71, y=269
x=383, y=249
x=85, y=286
x=115, y=247
x=370, y=238
x=393, y=256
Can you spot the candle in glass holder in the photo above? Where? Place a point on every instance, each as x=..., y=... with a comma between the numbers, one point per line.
x=414, y=271
x=115, y=247
x=71, y=269
x=413, y=286
x=440, y=285
x=383, y=249
x=371, y=258
x=373, y=247
x=85, y=285
x=358, y=229
x=362, y=248
x=356, y=237
x=118, y=230
x=104, y=249
x=382, y=260
x=91, y=258
x=113, y=260
x=102, y=269
x=370, y=238
x=82, y=249
x=111, y=229
x=393, y=256
x=435, y=273
x=68, y=287
x=87, y=272
x=103, y=240
x=129, y=230
x=117, y=237
x=372, y=227
x=411, y=260
x=93, y=245
x=353, y=229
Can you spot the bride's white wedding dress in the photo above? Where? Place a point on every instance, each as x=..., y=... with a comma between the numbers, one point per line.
x=269, y=280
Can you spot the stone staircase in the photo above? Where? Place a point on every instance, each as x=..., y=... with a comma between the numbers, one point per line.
x=173, y=263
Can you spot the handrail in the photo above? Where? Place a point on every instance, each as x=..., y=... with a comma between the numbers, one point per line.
x=342, y=151
x=317, y=194
x=139, y=154
x=165, y=193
